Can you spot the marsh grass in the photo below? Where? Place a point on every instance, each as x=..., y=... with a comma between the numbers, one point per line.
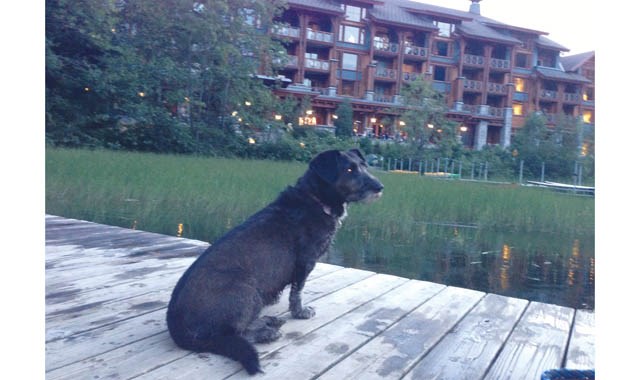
x=208, y=196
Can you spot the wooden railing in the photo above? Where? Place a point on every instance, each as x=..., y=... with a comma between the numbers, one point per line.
x=473, y=60
x=502, y=64
x=472, y=85
x=287, y=31
x=496, y=88
x=384, y=73
x=416, y=51
x=549, y=94
x=317, y=64
x=317, y=35
x=409, y=76
x=383, y=98
x=383, y=46
x=572, y=97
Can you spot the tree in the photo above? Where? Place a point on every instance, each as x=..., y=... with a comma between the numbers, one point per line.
x=425, y=119
x=344, y=122
x=155, y=75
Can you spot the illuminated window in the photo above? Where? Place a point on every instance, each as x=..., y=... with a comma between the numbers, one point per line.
x=517, y=109
x=588, y=94
x=519, y=82
x=351, y=34
x=587, y=116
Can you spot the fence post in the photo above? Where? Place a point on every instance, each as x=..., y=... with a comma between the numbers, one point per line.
x=410, y=167
x=438, y=165
x=542, y=173
x=486, y=169
x=521, y=168
x=473, y=169
x=420, y=168
x=460, y=169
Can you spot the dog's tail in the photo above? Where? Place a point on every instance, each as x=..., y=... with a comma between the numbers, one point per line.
x=237, y=348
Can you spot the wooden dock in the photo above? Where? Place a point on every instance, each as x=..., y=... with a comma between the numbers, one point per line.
x=107, y=289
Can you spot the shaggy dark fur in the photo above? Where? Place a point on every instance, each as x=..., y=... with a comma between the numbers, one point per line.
x=215, y=304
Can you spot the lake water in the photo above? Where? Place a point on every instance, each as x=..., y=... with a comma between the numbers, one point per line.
x=539, y=267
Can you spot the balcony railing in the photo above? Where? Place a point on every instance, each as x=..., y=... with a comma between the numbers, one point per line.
x=316, y=35
x=384, y=46
x=415, y=51
x=317, y=64
x=549, y=94
x=407, y=76
x=501, y=64
x=383, y=98
x=496, y=88
x=383, y=73
x=289, y=61
x=483, y=110
x=571, y=97
x=496, y=112
x=473, y=60
x=472, y=85
x=287, y=31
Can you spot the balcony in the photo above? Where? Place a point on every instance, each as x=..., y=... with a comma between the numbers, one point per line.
x=383, y=98
x=286, y=31
x=482, y=110
x=412, y=51
x=473, y=60
x=290, y=62
x=472, y=85
x=571, y=97
x=383, y=73
x=410, y=77
x=386, y=47
x=500, y=64
x=316, y=64
x=548, y=94
x=496, y=88
x=319, y=36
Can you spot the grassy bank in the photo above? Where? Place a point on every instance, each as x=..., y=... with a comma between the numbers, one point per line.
x=202, y=197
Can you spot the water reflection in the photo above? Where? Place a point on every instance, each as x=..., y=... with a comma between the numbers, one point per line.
x=541, y=267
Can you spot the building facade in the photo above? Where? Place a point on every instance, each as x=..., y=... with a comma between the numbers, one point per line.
x=492, y=75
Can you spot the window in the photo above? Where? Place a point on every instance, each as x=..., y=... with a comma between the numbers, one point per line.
x=587, y=116
x=441, y=48
x=445, y=29
x=355, y=14
x=522, y=60
x=348, y=88
x=588, y=94
x=351, y=34
x=349, y=61
x=520, y=84
x=439, y=73
x=517, y=109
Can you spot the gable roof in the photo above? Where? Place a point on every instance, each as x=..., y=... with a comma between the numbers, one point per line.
x=573, y=62
x=558, y=74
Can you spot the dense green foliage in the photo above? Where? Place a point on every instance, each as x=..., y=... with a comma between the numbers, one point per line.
x=208, y=195
x=165, y=76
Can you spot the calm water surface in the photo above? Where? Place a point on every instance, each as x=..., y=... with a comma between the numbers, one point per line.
x=540, y=267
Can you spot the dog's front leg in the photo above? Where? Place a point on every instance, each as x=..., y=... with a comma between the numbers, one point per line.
x=295, y=299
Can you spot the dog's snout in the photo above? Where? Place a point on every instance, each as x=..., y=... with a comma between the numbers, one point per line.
x=377, y=186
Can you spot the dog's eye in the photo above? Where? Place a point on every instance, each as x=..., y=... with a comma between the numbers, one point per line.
x=351, y=169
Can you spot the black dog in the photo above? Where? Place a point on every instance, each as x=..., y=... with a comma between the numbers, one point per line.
x=215, y=305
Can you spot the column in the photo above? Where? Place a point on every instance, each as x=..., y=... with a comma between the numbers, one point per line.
x=505, y=134
x=481, y=135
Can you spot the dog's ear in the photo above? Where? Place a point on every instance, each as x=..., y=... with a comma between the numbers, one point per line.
x=325, y=165
x=357, y=153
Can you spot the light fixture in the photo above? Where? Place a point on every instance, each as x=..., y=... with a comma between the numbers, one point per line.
x=374, y=120
x=278, y=117
x=334, y=116
x=251, y=140
x=430, y=126
x=141, y=94
x=247, y=103
x=463, y=129
x=309, y=112
x=234, y=113
x=402, y=123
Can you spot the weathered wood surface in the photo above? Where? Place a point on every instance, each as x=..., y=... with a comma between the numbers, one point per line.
x=107, y=290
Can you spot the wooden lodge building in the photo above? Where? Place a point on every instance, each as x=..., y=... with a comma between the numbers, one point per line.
x=492, y=74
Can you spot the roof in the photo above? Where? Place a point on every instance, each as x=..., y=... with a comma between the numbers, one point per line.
x=319, y=5
x=557, y=74
x=573, y=62
x=479, y=30
x=547, y=43
x=394, y=14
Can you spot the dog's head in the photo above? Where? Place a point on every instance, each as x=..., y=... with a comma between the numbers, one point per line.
x=346, y=173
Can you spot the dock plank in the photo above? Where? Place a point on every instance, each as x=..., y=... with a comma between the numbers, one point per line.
x=393, y=353
x=468, y=350
x=537, y=343
x=582, y=351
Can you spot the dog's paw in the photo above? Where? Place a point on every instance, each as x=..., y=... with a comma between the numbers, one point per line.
x=274, y=322
x=303, y=313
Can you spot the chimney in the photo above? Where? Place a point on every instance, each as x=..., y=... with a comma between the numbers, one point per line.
x=475, y=7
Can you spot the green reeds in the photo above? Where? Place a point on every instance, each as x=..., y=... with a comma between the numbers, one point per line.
x=201, y=198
